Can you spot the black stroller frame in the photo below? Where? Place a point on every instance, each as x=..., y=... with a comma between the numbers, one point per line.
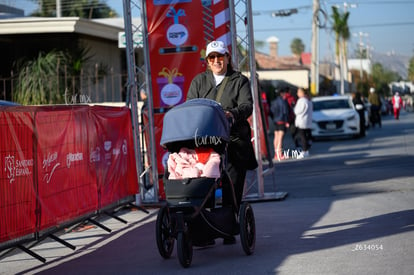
x=191, y=215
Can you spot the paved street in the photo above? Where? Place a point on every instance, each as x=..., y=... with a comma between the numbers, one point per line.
x=349, y=210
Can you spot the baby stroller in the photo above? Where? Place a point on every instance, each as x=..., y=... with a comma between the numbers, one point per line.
x=192, y=215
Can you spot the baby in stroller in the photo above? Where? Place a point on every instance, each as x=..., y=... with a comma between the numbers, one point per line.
x=196, y=134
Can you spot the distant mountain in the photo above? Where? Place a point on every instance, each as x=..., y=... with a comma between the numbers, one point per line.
x=392, y=62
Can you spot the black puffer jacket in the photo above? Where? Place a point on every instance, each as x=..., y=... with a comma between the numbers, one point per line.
x=236, y=98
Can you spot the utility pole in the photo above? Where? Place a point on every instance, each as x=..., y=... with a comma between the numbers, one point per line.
x=361, y=44
x=315, y=50
x=58, y=9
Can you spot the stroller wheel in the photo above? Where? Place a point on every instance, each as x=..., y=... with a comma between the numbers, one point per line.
x=184, y=249
x=247, y=228
x=164, y=236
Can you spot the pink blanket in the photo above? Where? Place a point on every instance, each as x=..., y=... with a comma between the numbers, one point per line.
x=189, y=163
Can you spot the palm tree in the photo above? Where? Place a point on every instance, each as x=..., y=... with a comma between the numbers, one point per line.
x=342, y=35
x=297, y=47
x=411, y=69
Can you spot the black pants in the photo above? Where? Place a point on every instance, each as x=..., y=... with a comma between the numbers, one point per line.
x=375, y=115
x=304, y=138
x=362, y=123
x=237, y=175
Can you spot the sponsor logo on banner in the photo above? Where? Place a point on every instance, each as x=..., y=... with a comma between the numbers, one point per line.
x=95, y=155
x=15, y=168
x=171, y=85
x=73, y=157
x=50, y=164
x=107, y=145
x=108, y=153
x=125, y=147
x=177, y=34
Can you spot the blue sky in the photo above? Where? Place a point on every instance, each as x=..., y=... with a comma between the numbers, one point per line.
x=386, y=26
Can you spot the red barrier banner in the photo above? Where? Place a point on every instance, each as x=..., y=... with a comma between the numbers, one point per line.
x=17, y=185
x=112, y=153
x=59, y=163
x=66, y=180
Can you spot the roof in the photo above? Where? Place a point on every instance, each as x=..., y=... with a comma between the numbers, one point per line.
x=37, y=25
x=267, y=62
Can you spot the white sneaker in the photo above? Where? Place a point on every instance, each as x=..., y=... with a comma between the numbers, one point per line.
x=303, y=154
x=300, y=156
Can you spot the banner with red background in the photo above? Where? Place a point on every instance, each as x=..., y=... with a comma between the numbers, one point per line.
x=59, y=163
x=17, y=184
x=178, y=32
x=66, y=181
x=112, y=153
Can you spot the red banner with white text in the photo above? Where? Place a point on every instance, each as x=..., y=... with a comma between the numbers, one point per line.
x=60, y=163
x=17, y=184
x=66, y=182
x=113, y=154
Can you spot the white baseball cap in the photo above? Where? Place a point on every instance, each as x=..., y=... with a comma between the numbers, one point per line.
x=216, y=46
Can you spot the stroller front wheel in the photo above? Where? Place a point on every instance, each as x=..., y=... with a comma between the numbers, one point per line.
x=164, y=236
x=184, y=249
x=247, y=228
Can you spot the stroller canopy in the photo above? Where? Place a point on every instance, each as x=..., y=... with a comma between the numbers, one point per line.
x=200, y=120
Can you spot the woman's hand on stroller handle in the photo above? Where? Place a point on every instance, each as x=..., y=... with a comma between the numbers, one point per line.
x=230, y=117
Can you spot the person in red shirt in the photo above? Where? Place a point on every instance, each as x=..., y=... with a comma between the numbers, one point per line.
x=397, y=104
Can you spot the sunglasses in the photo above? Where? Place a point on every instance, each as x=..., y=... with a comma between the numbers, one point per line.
x=220, y=57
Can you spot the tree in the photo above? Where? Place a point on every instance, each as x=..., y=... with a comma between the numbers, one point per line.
x=342, y=34
x=297, y=47
x=36, y=84
x=78, y=8
x=381, y=77
x=361, y=53
x=54, y=77
x=411, y=70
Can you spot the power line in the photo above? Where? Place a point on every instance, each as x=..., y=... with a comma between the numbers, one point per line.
x=376, y=2
x=352, y=26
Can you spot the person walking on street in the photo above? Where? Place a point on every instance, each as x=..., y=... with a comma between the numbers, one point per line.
x=303, y=122
x=375, y=102
x=279, y=110
x=360, y=108
x=397, y=104
x=220, y=82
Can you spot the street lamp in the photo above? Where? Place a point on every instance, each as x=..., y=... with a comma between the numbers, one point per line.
x=361, y=45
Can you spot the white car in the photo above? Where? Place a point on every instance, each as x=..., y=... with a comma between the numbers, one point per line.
x=334, y=116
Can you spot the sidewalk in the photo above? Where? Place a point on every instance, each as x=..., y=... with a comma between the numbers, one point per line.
x=85, y=237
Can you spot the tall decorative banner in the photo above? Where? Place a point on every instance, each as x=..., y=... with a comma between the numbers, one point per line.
x=178, y=32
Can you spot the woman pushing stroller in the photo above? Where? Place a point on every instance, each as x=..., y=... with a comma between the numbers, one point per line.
x=220, y=82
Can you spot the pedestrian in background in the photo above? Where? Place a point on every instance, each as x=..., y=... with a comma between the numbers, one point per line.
x=375, y=102
x=360, y=108
x=280, y=114
x=303, y=122
x=397, y=104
